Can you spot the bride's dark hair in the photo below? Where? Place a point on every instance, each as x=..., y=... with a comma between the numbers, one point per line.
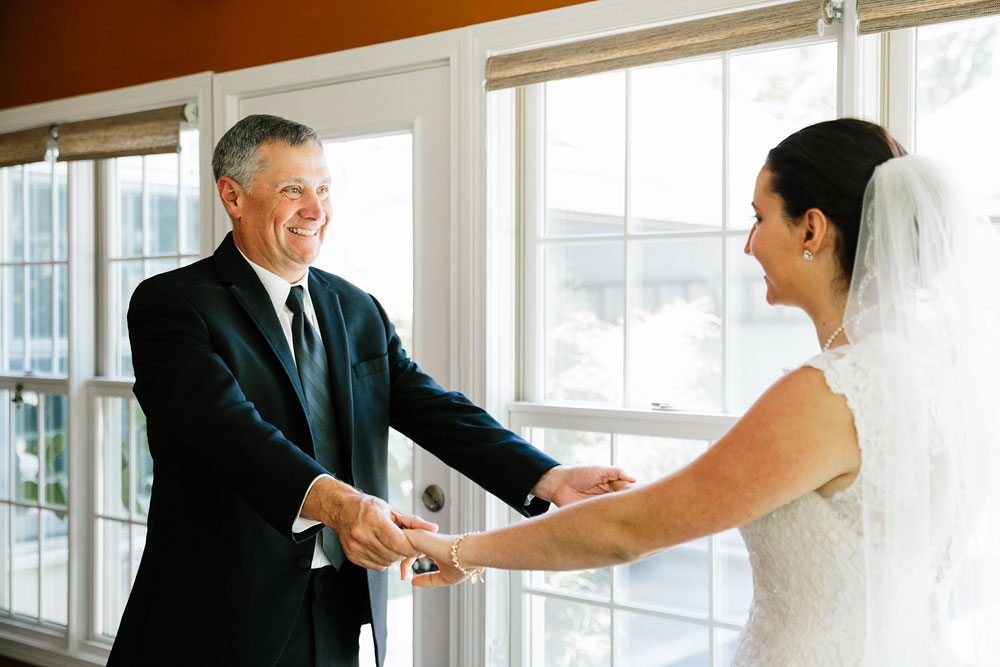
x=828, y=166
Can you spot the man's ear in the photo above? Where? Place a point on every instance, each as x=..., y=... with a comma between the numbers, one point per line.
x=232, y=196
x=815, y=228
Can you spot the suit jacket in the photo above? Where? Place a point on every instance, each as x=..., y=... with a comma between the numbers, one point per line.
x=222, y=576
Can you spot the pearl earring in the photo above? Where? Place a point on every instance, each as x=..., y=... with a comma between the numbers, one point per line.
x=807, y=254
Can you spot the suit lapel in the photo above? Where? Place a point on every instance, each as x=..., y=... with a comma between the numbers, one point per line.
x=246, y=288
x=333, y=329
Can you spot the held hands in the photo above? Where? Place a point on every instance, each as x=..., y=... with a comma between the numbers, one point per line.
x=563, y=485
x=368, y=527
x=437, y=547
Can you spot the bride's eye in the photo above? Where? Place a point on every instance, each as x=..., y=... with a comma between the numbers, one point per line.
x=755, y=219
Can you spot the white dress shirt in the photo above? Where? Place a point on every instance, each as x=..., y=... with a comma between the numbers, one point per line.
x=278, y=289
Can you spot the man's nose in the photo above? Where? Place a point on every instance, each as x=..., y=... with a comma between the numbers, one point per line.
x=312, y=206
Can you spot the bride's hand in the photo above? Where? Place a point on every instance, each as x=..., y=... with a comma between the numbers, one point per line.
x=437, y=547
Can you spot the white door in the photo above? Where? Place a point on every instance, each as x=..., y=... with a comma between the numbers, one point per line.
x=387, y=141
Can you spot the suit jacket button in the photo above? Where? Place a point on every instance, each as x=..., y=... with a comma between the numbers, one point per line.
x=304, y=563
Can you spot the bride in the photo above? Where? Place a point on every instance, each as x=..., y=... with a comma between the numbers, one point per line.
x=864, y=481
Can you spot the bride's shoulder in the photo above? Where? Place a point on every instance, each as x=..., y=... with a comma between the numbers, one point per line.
x=860, y=365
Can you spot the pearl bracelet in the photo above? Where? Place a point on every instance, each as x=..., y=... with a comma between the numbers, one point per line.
x=476, y=575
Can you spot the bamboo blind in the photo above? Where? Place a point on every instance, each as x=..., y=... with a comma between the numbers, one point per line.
x=791, y=20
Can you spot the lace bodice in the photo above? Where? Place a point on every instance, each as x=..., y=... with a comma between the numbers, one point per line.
x=808, y=557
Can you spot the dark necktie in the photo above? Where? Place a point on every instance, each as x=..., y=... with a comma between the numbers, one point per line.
x=314, y=372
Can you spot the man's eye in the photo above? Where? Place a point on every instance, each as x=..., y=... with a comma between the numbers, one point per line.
x=324, y=191
x=294, y=191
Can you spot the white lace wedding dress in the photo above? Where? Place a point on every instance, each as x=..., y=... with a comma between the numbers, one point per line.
x=808, y=557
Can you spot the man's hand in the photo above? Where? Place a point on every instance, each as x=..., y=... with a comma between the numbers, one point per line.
x=368, y=527
x=563, y=485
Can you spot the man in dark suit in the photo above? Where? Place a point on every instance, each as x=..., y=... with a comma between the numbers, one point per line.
x=269, y=388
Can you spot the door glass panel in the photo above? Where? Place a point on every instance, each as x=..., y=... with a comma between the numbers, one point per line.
x=372, y=202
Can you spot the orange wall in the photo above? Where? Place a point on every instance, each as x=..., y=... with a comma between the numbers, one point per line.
x=50, y=49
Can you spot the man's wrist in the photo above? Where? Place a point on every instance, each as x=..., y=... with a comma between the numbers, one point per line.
x=547, y=484
x=326, y=497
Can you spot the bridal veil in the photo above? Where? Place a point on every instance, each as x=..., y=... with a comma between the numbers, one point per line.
x=925, y=294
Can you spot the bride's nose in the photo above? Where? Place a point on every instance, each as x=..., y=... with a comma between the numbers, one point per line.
x=748, y=248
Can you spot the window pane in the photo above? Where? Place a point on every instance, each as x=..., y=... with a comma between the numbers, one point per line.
x=39, y=176
x=189, y=192
x=958, y=93
x=40, y=300
x=113, y=584
x=6, y=555
x=13, y=214
x=125, y=276
x=677, y=579
x=733, y=579
x=584, y=302
x=55, y=567
x=725, y=647
x=161, y=182
x=675, y=345
x=774, y=93
x=676, y=161
x=129, y=171
x=62, y=315
x=61, y=214
x=574, y=448
x=26, y=448
x=138, y=545
x=56, y=479
x=156, y=266
x=143, y=465
x=25, y=561
x=764, y=340
x=112, y=430
x=6, y=408
x=585, y=155
x=13, y=317
x=642, y=640
x=576, y=634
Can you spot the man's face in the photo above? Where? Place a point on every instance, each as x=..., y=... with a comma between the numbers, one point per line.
x=281, y=221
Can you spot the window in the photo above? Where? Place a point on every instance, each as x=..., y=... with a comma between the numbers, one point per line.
x=639, y=296
x=53, y=398
x=34, y=485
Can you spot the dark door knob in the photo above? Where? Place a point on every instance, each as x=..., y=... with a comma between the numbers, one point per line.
x=433, y=498
x=423, y=565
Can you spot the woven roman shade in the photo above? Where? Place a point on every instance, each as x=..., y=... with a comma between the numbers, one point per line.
x=24, y=147
x=791, y=20
x=884, y=15
x=142, y=133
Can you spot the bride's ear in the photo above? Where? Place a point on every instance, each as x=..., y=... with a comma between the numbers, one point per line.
x=815, y=229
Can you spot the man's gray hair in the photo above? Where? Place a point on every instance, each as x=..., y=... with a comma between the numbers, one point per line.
x=236, y=154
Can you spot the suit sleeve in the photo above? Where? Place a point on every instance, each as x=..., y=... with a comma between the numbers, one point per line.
x=201, y=425
x=460, y=433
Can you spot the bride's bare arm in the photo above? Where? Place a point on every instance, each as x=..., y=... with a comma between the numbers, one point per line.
x=797, y=438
